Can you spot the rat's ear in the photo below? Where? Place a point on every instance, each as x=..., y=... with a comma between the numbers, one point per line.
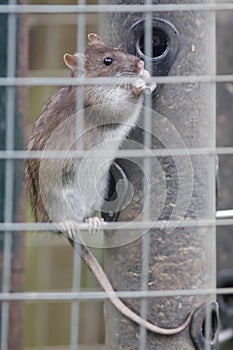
x=74, y=62
x=95, y=40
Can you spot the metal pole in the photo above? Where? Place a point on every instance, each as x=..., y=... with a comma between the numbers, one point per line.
x=13, y=105
x=178, y=187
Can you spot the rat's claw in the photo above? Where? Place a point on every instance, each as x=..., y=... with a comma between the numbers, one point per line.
x=94, y=224
x=144, y=74
x=139, y=86
x=68, y=228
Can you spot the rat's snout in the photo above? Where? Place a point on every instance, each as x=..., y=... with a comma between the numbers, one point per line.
x=139, y=65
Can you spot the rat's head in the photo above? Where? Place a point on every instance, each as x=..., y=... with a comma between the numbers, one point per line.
x=102, y=61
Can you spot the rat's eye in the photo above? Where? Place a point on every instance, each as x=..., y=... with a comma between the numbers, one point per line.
x=108, y=61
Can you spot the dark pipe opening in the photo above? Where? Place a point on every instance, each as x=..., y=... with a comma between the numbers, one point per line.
x=159, y=44
x=213, y=327
x=203, y=329
x=164, y=44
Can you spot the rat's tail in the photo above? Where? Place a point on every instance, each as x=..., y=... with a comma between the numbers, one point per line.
x=103, y=280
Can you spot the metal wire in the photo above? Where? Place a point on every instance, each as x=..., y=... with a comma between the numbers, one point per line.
x=75, y=307
x=54, y=81
x=112, y=8
x=9, y=175
x=126, y=225
x=223, y=218
x=9, y=154
x=225, y=335
x=147, y=169
x=62, y=296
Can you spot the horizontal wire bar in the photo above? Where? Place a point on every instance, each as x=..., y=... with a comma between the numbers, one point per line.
x=38, y=240
x=225, y=335
x=68, y=81
x=134, y=153
x=112, y=8
x=122, y=225
x=224, y=214
x=99, y=295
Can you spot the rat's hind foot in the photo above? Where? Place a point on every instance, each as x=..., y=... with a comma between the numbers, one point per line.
x=94, y=224
x=68, y=228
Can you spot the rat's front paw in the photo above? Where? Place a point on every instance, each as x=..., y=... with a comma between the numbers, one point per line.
x=139, y=86
x=94, y=224
x=144, y=74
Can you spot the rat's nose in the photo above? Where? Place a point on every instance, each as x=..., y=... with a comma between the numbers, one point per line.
x=139, y=65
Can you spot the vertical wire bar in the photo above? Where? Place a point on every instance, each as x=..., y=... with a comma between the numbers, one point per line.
x=147, y=180
x=9, y=173
x=207, y=326
x=42, y=312
x=74, y=336
x=212, y=199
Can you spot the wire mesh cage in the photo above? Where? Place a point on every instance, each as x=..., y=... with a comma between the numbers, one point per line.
x=157, y=243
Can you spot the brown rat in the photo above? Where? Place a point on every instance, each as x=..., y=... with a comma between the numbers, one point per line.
x=70, y=191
